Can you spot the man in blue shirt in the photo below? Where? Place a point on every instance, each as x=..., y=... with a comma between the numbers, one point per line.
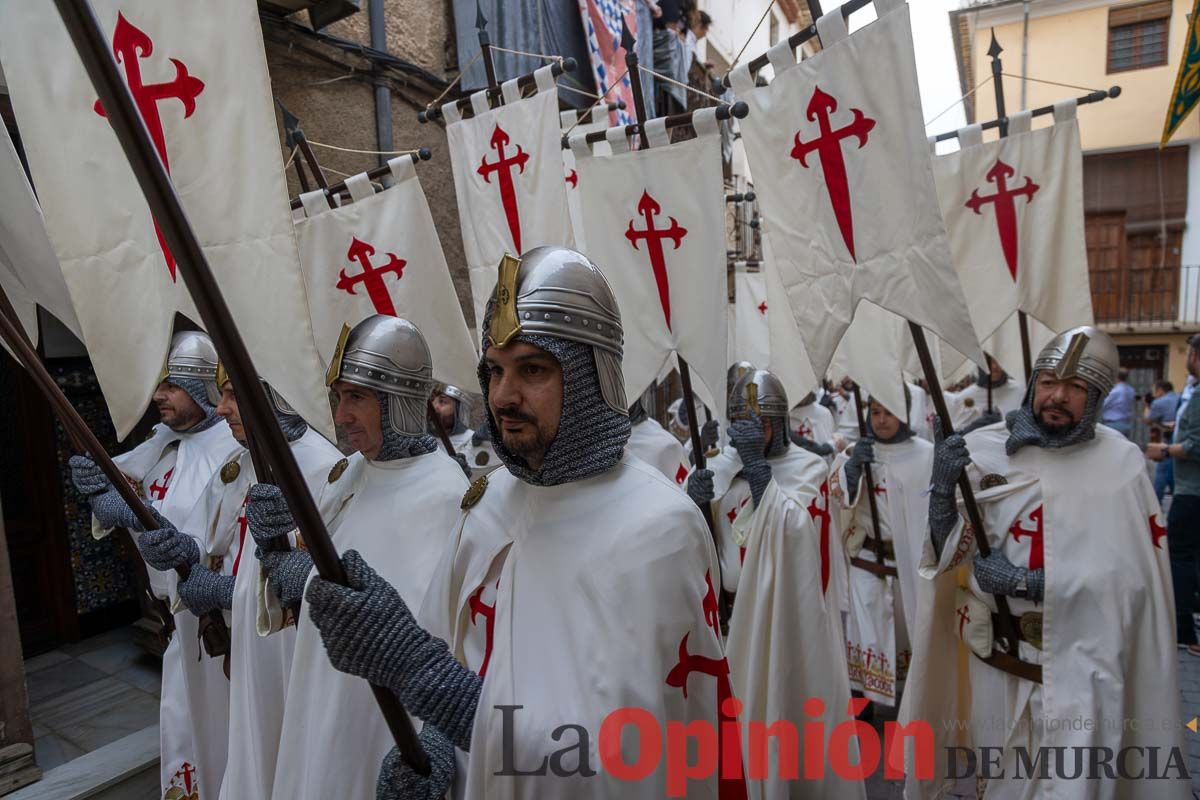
x=1118, y=406
x=1160, y=415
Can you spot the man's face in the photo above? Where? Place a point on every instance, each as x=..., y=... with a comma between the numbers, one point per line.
x=227, y=409
x=883, y=422
x=359, y=416
x=525, y=396
x=1058, y=404
x=176, y=408
x=443, y=405
x=995, y=371
x=1157, y=391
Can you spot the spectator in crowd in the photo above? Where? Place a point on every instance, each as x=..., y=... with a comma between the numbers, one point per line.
x=669, y=27
x=1118, y=406
x=1160, y=416
x=1183, y=521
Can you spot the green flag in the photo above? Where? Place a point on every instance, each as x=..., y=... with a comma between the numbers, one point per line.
x=1186, y=93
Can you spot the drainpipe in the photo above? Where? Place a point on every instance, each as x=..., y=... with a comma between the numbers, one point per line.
x=383, y=95
x=1024, y=52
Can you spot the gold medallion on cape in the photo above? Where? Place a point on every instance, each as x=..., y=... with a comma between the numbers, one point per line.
x=992, y=480
x=478, y=487
x=338, y=469
x=230, y=472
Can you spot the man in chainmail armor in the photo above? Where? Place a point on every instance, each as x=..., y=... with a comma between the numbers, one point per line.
x=453, y=407
x=171, y=470
x=1077, y=549
x=394, y=501
x=542, y=568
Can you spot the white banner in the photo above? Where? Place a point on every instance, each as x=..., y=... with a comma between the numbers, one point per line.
x=29, y=270
x=508, y=177
x=597, y=120
x=654, y=223
x=750, y=335
x=1014, y=212
x=198, y=74
x=380, y=254
x=842, y=170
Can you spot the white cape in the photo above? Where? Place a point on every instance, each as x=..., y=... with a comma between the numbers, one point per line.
x=651, y=442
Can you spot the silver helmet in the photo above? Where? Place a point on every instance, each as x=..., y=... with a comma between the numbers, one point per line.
x=767, y=398
x=462, y=403
x=1082, y=352
x=192, y=356
x=278, y=403
x=389, y=355
x=736, y=370
x=559, y=292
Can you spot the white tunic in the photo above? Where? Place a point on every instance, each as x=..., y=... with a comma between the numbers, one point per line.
x=847, y=420
x=969, y=404
x=731, y=495
x=259, y=666
x=334, y=738
x=813, y=421
x=881, y=614
x=481, y=458
x=581, y=599
x=1088, y=515
x=173, y=470
x=653, y=444
x=785, y=637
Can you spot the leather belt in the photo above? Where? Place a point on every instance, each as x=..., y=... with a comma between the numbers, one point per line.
x=1028, y=625
x=872, y=544
x=874, y=567
x=1029, y=629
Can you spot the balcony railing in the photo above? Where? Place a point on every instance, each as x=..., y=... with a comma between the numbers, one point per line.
x=1147, y=298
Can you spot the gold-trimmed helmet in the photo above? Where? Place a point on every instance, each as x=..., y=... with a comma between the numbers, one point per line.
x=759, y=391
x=1082, y=352
x=193, y=356
x=389, y=355
x=279, y=404
x=736, y=370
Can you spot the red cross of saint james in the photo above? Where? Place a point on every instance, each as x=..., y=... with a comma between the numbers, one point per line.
x=1157, y=531
x=963, y=619
x=482, y=609
x=371, y=276
x=828, y=145
x=242, y=525
x=762, y=308
x=160, y=492
x=821, y=512
x=186, y=772
x=1005, y=201
x=649, y=208
x=1035, y=537
x=130, y=45
x=573, y=179
x=502, y=168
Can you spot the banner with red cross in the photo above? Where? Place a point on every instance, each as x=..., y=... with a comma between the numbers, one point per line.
x=842, y=170
x=198, y=75
x=1014, y=214
x=508, y=178
x=654, y=221
x=380, y=254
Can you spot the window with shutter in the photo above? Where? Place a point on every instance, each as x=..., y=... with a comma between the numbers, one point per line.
x=1137, y=35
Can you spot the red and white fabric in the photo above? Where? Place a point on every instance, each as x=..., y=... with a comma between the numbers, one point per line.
x=842, y=169
x=596, y=120
x=198, y=73
x=654, y=221
x=380, y=254
x=508, y=178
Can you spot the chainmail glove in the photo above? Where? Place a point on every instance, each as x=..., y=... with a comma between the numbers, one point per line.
x=997, y=575
x=700, y=487
x=88, y=478
x=167, y=548
x=710, y=434
x=950, y=458
x=462, y=462
x=862, y=454
x=205, y=590
x=748, y=438
x=481, y=434
x=287, y=573
x=267, y=514
x=808, y=444
x=368, y=631
x=398, y=781
x=985, y=419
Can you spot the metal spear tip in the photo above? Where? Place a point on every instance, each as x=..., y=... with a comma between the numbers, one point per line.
x=291, y=123
x=480, y=20
x=994, y=49
x=424, y=154
x=740, y=109
x=627, y=40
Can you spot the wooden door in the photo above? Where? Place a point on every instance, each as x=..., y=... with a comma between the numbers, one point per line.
x=1105, y=235
x=1154, y=275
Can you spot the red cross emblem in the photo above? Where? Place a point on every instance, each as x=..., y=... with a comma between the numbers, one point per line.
x=821, y=512
x=762, y=308
x=833, y=164
x=1157, y=531
x=649, y=208
x=804, y=429
x=729, y=789
x=573, y=179
x=1035, y=537
x=130, y=45
x=1006, y=208
x=963, y=619
x=481, y=609
x=371, y=276
x=242, y=525
x=160, y=492
x=880, y=488
x=186, y=772
x=681, y=474
x=502, y=166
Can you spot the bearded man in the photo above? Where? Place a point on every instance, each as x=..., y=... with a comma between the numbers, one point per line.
x=172, y=470
x=1076, y=539
x=533, y=595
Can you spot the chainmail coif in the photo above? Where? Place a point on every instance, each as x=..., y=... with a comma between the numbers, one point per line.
x=195, y=389
x=1024, y=428
x=983, y=378
x=591, y=436
x=397, y=445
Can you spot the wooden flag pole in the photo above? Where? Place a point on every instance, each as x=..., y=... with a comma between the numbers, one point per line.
x=127, y=124
x=868, y=477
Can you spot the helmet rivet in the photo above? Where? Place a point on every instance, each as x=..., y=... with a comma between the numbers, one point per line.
x=566, y=318
x=546, y=317
x=528, y=315
x=585, y=323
